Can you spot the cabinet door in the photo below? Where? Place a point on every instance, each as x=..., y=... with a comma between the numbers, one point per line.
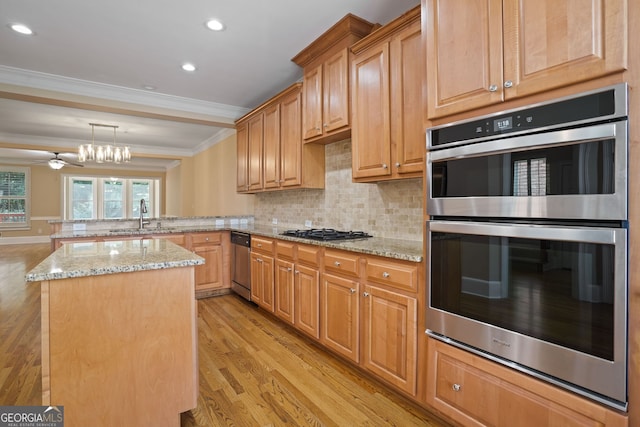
x=271, y=151
x=255, y=138
x=553, y=43
x=312, y=101
x=407, y=106
x=341, y=316
x=371, y=132
x=463, y=40
x=291, y=140
x=267, y=297
x=390, y=337
x=284, y=290
x=242, y=141
x=307, y=300
x=335, y=102
x=256, y=278
x=209, y=275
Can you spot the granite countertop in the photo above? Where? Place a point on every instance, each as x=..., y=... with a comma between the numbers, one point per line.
x=407, y=250
x=119, y=256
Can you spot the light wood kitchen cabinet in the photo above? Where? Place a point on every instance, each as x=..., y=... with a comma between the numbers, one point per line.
x=213, y=276
x=275, y=157
x=387, y=104
x=390, y=337
x=340, y=318
x=484, y=52
x=475, y=391
x=242, y=169
x=297, y=286
x=255, y=138
x=325, y=93
x=262, y=272
x=284, y=281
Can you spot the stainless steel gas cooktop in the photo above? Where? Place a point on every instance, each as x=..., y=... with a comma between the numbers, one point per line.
x=326, y=234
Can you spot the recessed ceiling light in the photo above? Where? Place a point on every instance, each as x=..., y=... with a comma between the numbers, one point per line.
x=188, y=67
x=22, y=29
x=215, y=25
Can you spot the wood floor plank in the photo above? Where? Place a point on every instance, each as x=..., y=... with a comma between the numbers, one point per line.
x=254, y=370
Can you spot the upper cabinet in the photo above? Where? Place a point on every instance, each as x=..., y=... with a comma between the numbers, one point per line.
x=482, y=52
x=271, y=155
x=325, y=93
x=387, y=104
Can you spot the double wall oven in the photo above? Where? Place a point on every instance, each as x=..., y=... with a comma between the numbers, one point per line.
x=527, y=240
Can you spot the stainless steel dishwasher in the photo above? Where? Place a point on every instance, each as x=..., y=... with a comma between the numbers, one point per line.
x=241, y=264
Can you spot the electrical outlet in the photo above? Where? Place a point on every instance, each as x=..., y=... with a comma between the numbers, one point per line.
x=274, y=221
x=308, y=223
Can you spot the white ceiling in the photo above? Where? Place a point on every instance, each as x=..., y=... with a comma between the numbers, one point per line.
x=100, y=56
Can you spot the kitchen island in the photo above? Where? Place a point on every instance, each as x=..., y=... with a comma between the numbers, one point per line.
x=119, y=337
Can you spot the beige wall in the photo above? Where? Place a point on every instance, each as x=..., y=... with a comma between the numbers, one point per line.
x=207, y=184
x=46, y=194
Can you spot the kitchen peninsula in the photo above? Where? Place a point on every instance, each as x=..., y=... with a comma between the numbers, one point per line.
x=119, y=337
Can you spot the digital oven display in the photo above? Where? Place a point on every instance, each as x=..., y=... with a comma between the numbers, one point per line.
x=504, y=123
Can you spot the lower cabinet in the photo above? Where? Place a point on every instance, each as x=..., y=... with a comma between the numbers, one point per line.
x=341, y=315
x=262, y=272
x=213, y=276
x=390, y=337
x=477, y=392
x=297, y=286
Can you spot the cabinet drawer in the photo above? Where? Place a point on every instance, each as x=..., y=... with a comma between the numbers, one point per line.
x=342, y=262
x=393, y=273
x=205, y=238
x=259, y=244
x=285, y=249
x=309, y=255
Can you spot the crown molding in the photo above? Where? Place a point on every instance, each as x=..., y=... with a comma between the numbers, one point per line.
x=61, y=84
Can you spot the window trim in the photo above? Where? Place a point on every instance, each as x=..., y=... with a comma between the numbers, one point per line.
x=26, y=225
x=153, y=204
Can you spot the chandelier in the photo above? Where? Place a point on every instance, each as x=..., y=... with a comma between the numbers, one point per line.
x=109, y=153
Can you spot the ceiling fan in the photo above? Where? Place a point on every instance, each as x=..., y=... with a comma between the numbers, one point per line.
x=58, y=163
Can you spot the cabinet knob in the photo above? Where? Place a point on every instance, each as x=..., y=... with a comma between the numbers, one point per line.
x=384, y=166
x=259, y=245
x=259, y=260
x=493, y=88
x=206, y=239
x=398, y=164
x=365, y=294
x=326, y=125
x=508, y=84
x=297, y=272
x=317, y=128
x=288, y=268
x=456, y=387
x=353, y=291
x=385, y=275
x=336, y=263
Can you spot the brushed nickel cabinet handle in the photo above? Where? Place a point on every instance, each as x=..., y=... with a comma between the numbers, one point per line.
x=353, y=291
x=508, y=84
x=365, y=294
x=456, y=387
x=336, y=263
x=385, y=275
x=493, y=88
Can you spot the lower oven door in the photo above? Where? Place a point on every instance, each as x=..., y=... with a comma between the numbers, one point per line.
x=549, y=300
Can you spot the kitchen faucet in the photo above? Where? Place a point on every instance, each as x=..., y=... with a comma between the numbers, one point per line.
x=143, y=210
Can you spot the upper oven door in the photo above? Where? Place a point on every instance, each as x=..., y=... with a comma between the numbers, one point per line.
x=578, y=173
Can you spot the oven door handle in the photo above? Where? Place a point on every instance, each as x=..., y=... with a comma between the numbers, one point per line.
x=599, y=235
x=526, y=142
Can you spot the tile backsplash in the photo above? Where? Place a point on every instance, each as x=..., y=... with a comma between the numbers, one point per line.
x=389, y=209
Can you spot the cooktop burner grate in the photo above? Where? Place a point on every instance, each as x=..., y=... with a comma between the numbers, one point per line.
x=326, y=234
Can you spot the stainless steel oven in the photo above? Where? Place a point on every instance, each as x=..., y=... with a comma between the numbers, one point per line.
x=527, y=240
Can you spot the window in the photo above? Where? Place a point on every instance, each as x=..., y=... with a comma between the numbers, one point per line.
x=109, y=198
x=530, y=177
x=15, y=189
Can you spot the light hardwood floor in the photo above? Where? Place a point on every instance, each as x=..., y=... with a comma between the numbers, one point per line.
x=254, y=370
